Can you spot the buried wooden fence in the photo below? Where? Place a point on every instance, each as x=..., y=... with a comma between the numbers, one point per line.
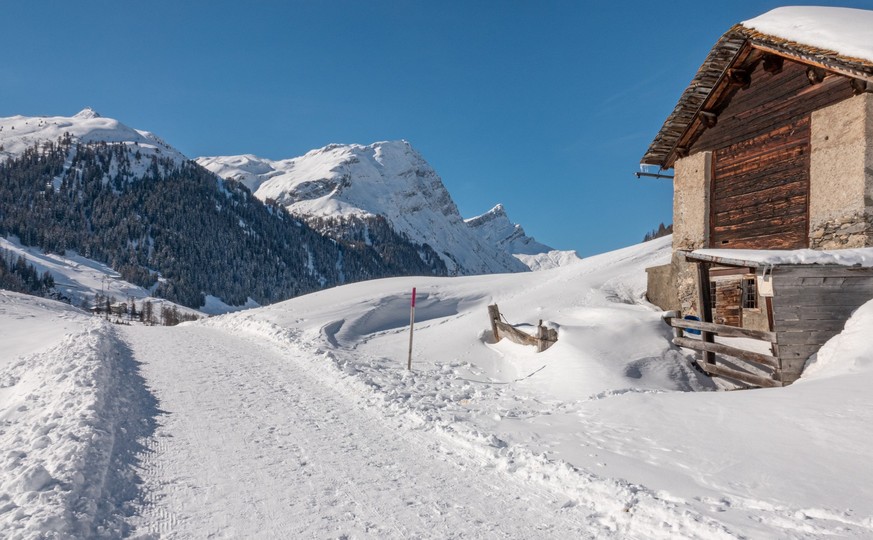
x=545, y=338
x=709, y=348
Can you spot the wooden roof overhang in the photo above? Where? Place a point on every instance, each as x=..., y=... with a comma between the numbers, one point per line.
x=726, y=70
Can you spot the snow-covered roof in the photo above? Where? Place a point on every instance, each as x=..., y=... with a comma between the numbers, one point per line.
x=845, y=31
x=859, y=257
x=837, y=39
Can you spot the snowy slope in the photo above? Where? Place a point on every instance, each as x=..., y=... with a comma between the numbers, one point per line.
x=495, y=228
x=612, y=400
x=79, y=279
x=389, y=179
x=300, y=419
x=18, y=133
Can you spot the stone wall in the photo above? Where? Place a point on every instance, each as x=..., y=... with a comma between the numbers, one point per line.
x=841, y=175
x=848, y=232
x=661, y=287
x=691, y=183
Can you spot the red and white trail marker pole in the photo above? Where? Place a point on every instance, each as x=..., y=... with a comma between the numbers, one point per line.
x=411, y=325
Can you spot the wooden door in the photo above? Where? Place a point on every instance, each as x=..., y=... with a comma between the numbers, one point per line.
x=760, y=191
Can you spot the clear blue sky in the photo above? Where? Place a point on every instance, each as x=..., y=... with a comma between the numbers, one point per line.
x=544, y=106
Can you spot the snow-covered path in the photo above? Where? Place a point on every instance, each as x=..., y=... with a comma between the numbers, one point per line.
x=253, y=445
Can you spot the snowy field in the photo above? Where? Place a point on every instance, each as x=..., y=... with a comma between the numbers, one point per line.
x=300, y=420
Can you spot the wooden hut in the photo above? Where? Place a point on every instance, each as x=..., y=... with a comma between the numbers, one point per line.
x=772, y=149
x=809, y=295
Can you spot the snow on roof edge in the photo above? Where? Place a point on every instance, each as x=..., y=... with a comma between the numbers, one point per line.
x=846, y=31
x=856, y=257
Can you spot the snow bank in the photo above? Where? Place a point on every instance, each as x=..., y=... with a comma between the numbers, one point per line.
x=849, y=352
x=611, y=424
x=67, y=419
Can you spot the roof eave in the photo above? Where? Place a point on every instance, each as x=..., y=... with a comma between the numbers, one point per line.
x=711, y=74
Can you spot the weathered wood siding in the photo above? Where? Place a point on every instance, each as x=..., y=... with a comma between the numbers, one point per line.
x=772, y=101
x=811, y=304
x=728, y=301
x=760, y=191
x=761, y=152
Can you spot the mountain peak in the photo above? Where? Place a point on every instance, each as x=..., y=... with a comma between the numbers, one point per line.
x=386, y=178
x=497, y=211
x=86, y=113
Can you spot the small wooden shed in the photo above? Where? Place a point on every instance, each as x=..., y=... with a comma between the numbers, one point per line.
x=772, y=149
x=808, y=296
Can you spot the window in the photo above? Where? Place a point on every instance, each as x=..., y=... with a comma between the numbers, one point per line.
x=750, y=294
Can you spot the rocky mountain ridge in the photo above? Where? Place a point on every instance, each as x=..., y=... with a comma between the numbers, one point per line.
x=388, y=179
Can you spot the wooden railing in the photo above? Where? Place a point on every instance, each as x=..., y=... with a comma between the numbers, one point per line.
x=545, y=338
x=709, y=348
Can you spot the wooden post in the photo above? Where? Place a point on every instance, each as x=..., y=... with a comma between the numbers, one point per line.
x=494, y=315
x=542, y=335
x=704, y=307
x=411, y=325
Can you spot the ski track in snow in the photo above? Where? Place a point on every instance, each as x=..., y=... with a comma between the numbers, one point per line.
x=261, y=441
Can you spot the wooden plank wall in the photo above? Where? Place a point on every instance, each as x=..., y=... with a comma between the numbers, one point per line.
x=760, y=191
x=770, y=102
x=761, y=147
x=728, y=301
x=811, y=304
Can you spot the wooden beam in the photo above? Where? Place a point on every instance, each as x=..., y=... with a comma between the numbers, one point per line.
x=860, y=86
x=725, y=330
x=494, y=315
x=815, y=74
x=740, y=77
x=812, y=60
x=515, y=335
x=772, y=63
x=704, y=307
x=758, y=380
x=720, y=348
x=709, y=119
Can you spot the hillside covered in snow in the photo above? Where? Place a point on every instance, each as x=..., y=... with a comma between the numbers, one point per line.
x=300, y=420
x=91, y=187
x=388, y=179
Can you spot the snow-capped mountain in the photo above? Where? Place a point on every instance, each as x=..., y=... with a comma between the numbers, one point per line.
x=495, y=228
x=18, y=133
x=388, y=179
x=124, y=198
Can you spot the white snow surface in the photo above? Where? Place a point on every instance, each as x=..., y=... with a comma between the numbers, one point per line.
x=843, y=30
x=18, y=133
x=390, y=179
x=71, y=411
x=300, y=420
x=768, y=257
